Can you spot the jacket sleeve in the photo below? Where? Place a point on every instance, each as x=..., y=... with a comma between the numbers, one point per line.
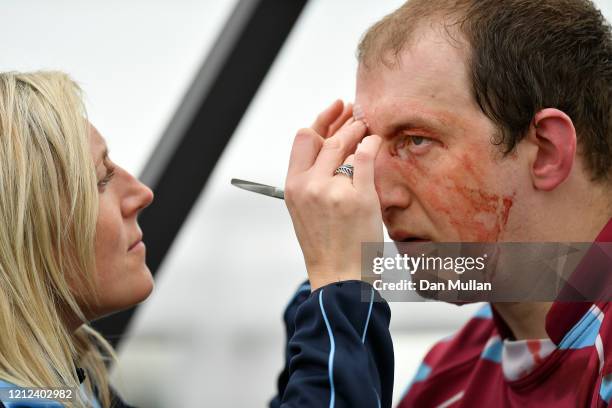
x=339, y=351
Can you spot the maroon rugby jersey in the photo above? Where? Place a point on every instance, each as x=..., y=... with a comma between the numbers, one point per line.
x=480, y=367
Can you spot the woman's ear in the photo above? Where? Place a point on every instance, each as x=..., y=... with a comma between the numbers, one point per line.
x=555, y=138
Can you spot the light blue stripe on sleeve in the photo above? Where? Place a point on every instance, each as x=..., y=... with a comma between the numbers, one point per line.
x=605, y=391
x=365, y=328
x=493, y=350
x=377, y=398
x=584, y=333
x=484, y=312
x=421, y=375
x=332, y=350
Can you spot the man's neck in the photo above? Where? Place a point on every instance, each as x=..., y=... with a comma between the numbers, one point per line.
x=526, y=320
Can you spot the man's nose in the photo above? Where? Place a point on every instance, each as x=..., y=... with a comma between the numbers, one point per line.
x=393, y=192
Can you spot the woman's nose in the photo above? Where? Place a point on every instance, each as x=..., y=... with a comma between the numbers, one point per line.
x=140, y=196
x=147, y=195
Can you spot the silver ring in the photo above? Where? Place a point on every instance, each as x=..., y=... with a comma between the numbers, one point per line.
x=345, y=169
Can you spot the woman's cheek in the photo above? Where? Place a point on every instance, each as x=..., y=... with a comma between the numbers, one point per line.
x=109, y=240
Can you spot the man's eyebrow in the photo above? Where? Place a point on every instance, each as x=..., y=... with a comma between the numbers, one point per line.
x=414, y=122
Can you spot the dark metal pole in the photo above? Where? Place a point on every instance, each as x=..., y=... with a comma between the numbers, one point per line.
x=203, y=125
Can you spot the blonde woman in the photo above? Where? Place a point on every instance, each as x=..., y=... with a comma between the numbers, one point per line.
x=70, y=246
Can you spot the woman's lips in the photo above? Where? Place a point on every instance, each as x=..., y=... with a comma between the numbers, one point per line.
x=136, y=245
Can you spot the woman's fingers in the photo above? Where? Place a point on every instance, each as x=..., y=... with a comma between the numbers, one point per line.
x=328, y=117
x=336, y=148
x=306, y=147
x=365, y=155
x=347, y=113
x=310, y=147
x=350, y=160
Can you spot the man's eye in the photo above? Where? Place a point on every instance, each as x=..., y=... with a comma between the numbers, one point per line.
x=413, y=145
x=418, y=140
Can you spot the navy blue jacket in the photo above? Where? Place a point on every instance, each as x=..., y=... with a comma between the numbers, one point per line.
x=339, y=351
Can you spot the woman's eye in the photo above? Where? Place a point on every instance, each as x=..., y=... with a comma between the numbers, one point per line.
x=109, y=175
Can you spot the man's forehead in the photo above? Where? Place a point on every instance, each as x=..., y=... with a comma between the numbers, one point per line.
x=387, y=107
x=387, y=119
x=430, y=83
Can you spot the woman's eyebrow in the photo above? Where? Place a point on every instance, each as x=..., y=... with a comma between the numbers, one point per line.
x=104, y=156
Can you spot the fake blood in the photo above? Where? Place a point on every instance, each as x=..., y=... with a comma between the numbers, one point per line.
x=460, y=196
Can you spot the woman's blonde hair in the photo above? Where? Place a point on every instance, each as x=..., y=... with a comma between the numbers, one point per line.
x=48, y=213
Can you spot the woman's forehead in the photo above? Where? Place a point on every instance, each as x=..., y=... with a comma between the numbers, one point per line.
x=99, y=149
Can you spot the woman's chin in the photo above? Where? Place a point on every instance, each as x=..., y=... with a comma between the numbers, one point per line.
x=125, y=296
x=142, y=290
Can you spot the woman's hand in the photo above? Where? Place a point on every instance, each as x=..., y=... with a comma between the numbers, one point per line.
x=332, y=214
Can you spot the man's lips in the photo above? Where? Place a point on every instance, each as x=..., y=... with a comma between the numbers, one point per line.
x=402, y=236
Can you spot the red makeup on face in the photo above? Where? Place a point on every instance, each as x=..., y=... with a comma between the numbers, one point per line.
x=475, y=214
x=455, y=194
x=438, y=174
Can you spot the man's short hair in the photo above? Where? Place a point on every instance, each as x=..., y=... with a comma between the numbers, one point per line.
x=524, y=56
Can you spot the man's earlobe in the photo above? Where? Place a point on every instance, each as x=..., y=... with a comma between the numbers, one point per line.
x=555, y=138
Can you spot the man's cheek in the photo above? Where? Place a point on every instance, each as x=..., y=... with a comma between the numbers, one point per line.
x=480, y=216
x=458, y=192
x=466, y=204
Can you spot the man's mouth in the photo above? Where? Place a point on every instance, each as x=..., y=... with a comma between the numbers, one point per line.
x=407, y=237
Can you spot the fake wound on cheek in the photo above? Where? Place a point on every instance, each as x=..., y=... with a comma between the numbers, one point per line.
x=484, y=216
x=472, y=213
x=481, y=212
x=459, y=198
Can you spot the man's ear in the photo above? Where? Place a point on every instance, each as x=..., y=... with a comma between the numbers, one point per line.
x=555, y=138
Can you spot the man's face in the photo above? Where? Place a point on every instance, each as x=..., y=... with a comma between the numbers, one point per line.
x=438, y=175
